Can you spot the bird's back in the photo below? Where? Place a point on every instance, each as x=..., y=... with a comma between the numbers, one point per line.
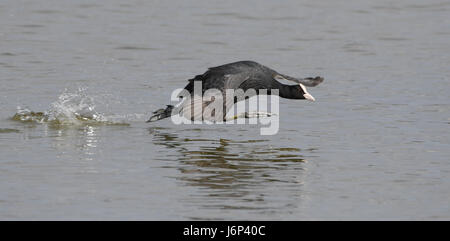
x=219, y=77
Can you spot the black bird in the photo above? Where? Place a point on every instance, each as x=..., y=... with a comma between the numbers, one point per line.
x=241, y=75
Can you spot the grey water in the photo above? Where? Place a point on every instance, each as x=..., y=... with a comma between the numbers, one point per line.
x=374, y=145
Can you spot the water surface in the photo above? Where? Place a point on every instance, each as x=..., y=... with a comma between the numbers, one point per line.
x=78, y=80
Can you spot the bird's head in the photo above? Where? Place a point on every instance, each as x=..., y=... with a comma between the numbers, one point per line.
x=298, y=91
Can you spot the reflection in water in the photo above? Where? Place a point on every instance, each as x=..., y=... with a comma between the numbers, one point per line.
x=85, y=140
x=233, y=173
x=9, y=130
x=90, y=144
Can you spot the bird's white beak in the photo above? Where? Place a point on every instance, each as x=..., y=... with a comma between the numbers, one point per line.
x=306, y=94
x=309, y=97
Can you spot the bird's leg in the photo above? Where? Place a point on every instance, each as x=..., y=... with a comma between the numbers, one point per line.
x=230, y=118
x=256, y=114
x=248, y=115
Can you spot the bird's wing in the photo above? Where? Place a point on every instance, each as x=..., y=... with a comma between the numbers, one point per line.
x=310, y=82
x=233, y=81
x=195, y=108
x=192, y=107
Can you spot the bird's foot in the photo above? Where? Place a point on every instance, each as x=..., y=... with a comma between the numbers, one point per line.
x=258, y=114
x=248, y=115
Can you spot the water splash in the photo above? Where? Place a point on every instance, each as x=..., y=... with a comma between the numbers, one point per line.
x=71, y=108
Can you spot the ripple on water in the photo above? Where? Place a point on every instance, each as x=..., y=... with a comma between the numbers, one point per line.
x=136, y=48
x=393, y=39
x=7, y=54
x=8, y=130
x=47, y=11
x=31, y=26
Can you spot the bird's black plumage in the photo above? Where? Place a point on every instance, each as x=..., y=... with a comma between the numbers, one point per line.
x=247, y=75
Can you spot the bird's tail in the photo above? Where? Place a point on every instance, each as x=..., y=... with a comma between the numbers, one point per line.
x=161, y=113
x=310, y=81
